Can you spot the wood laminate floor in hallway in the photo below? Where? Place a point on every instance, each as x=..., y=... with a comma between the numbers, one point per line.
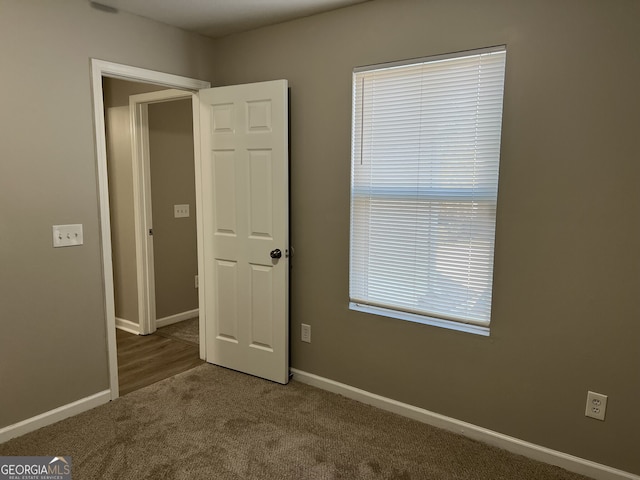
x=143, y=360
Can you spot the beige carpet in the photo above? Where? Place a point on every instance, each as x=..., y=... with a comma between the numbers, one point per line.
x=213, y=423
x=186, y=330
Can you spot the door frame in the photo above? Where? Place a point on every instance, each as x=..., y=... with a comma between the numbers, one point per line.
x=100, y=69
x=143, y=215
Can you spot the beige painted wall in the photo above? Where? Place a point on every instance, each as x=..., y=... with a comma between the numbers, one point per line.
x=123, y=240
x=173, y=183
x=566, y=304
x=120, y=171
x=52, y=315
x=117, y=92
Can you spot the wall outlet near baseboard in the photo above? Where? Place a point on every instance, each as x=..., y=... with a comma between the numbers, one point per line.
x=596, y=405
x=305, y=332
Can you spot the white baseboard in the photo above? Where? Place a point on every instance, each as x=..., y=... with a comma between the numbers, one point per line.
x=131, y=327
x=128, y=326
x=511, y=444
x=53, y=416
x=178, y=317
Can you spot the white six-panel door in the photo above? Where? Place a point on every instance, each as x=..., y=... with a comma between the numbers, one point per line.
x=244, y=131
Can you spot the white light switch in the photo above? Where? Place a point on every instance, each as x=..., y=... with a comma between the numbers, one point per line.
x=180, y=211
x=67, y=235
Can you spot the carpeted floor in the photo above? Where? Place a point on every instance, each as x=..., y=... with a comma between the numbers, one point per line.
x=186, y=330
x=213, y=423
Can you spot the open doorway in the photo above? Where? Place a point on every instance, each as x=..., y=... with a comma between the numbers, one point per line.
x=243, y=212
x=143, y=80
x=173, y=259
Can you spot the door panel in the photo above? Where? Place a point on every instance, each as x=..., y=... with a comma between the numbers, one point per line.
x=261, y=194
x=226, y=300
x=262, y=307
x=246, y=217
x=224, y=177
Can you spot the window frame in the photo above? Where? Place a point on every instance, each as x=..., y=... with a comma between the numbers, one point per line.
x=402, y=313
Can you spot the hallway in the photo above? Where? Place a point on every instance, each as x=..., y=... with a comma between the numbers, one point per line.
x=143, y=360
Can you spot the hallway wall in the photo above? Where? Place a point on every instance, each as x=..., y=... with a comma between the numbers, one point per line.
x=173, y=183
x=121, y=211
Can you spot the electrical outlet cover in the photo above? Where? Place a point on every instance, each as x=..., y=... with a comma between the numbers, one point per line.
x=596, y=405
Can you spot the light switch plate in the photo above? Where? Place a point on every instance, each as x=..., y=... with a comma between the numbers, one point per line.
x=67, y=235
x=305, y=332
x=180, y=211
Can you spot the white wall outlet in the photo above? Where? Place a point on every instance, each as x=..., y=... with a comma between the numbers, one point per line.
x=305, y=332
x=596, y=405
x=67, y=235
x=180, y=211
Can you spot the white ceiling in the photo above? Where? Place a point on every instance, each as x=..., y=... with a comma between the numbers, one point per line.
x=217, y=18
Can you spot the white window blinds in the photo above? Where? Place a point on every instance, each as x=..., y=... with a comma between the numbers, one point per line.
x=425, y=154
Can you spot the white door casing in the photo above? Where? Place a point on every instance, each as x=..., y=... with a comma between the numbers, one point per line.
x=141, y=162
x=244, y=155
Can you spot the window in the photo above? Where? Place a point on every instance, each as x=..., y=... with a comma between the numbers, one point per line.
x=425, y=155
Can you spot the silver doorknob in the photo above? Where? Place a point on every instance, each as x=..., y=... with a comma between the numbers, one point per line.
x=276, y=253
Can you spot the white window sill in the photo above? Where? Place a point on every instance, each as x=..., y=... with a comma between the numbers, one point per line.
x=412, y=317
